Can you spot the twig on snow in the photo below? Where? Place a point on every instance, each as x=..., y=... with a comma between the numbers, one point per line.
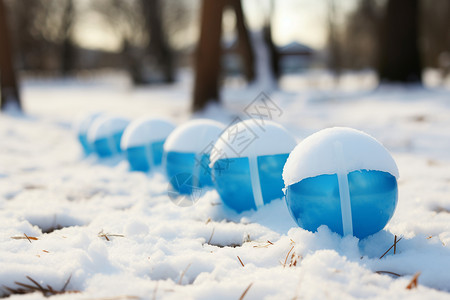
x=246, y=290
x=394, y=245
x=240, y=261
x=25, y=237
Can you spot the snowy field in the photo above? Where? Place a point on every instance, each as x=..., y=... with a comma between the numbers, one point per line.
x=117, y=235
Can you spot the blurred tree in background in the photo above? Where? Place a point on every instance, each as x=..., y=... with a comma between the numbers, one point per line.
x=152, y=39
x=358, y=43
x=399, y=54
x=435, y=38
x=141, y=29
x=334, y=38
x=45, y=37
x=9, y=92
x=208, y=65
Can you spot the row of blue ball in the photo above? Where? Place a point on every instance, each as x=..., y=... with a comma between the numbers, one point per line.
x=187, y=160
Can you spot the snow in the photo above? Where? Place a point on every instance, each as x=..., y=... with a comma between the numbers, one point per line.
x=106, y=126
x=194, y=136
x=317, y=155
x=266, y=138
x=85, y=121
x=146, y=130
x=162, y=251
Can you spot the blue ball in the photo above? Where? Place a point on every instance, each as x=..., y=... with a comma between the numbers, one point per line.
x=143, y=158
x=82, y=128
x=187, y=171
x=142, y=142
x=341, y=178
x=187, y=155
x=105, y=135
x=233, y=180
x=315, y=201
x=251, y=178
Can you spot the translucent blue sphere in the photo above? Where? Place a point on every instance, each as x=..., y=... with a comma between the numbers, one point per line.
x=233, y=180
x=142, y=142
x=187, y=171
x=82, y=128
x=341, y=178
x=315, y=201
x=248, y=178
x=187, y=152
x=105, y=135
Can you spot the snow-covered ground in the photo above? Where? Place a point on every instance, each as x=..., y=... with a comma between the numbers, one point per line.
x=118, y=235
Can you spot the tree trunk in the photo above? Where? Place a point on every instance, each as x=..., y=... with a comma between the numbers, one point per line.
x=399, y=51
x=158, y=46
x=335, y=62
x=207, y=64
x=67, y=47
x=9, y=92
x=273, y=52
x=134, y=64
x=244, y=45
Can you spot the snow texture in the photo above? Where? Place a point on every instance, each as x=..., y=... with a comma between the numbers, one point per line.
x=194, y=136
x=144, y=131
x=265, y=138
x=157, y=250
x=106, y=126
x=317, y=155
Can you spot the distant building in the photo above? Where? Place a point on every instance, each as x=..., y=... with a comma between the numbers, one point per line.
x=295, y=57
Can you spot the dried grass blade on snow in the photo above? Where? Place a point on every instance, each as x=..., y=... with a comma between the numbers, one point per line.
x=25, y=237
x=107, y=236
x=394, y=245
x=47, y=291
x=240, y=261
x=211, y=236
x=66, y=284
x=414, y=282
x=287, y=255
x=265, y=245
x=246, y=291
x=388, y=272
x=182, y=274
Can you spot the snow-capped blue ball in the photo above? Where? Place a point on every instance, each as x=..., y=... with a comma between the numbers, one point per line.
x=143, y=140
x=81, y=129
x=186, y=154
x=342, y=178
x=105, y=135
x=247, y=163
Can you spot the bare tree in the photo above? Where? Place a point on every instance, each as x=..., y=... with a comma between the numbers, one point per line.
x=359, y=45
x=67, y=47
x=145, y=46
x=335, y=55
x=158, y=46
x=436, y=34
x=208, y=55
x=8, y=84
x=399, y=49
x=207, y=64
x=244, y=45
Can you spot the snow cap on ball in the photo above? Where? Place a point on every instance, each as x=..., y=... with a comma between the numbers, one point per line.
x=194, y=136
x=85, y=121
x=145, y=131
x=106, y=126
x=269, y=138
x=317, y=155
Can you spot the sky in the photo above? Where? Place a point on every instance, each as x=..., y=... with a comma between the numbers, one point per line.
x=303, y=21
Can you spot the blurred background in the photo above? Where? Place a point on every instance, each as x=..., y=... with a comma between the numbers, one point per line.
x=225, y=41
